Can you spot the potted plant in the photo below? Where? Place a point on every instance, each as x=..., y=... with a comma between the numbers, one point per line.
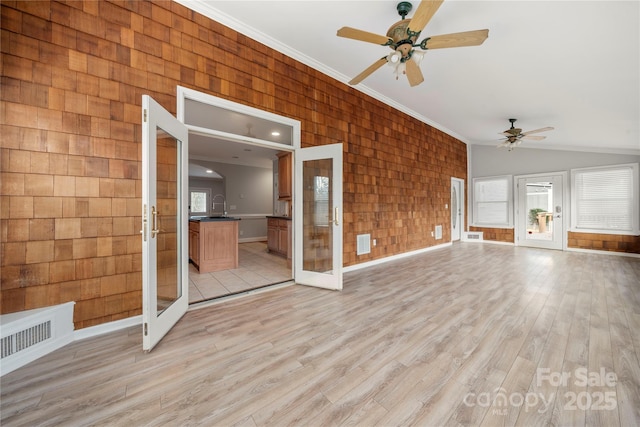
x=536, y=218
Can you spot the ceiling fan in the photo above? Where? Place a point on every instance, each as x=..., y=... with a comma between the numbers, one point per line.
x=402, y=38
x=514, y=136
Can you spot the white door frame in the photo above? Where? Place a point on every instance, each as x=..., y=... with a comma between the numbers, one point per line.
x=459, y=185
x=184, y=93
x=520, y=215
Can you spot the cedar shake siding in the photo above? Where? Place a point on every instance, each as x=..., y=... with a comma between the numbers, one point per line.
x=73, y=73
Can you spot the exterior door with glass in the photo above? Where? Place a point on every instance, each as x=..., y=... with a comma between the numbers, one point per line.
x=165, y=282
x=317, y=216
x=457, y=208
x=540, y=211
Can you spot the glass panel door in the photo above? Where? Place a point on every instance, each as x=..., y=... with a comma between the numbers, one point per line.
x=457, y=206
x=164, y=222
x=540, y=212
x=318, y=223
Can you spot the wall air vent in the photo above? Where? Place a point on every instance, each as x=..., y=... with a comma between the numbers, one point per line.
x=28, y=335
x=472, y=236
x=25, y=338
x=363, y=245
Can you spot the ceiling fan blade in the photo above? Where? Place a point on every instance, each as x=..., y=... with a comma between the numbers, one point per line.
x=414, y=75
x=529, y=132
x=365, y=36
x=467, y=38
x=533, y=137
x=425, y=11
x=373, y=67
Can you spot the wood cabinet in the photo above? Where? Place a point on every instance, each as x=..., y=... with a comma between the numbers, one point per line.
x=273, y=244
x=284, y=176
x=194, y=239
x=213, y=245
x=279, y=237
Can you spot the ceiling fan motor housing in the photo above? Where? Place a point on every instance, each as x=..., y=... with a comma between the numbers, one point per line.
x=401, y=44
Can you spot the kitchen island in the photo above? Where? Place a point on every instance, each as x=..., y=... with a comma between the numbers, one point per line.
x=213, y=243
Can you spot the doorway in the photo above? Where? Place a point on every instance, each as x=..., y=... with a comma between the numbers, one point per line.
x=165, y=212
x=457, y=208
x=540, y=211
x=242, y=131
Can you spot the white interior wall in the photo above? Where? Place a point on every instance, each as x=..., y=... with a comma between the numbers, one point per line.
x=491, y=161
x=249, y=193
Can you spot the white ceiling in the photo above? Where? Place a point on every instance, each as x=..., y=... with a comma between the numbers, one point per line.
x=572, y=65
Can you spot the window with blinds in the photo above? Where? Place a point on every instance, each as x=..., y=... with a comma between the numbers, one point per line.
x=492, y=201
x=605, y=199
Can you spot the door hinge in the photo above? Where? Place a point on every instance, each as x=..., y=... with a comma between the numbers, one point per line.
x=144, y=115
x=146, y=329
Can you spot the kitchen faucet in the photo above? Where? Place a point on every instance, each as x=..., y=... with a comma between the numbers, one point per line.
x=224, y=204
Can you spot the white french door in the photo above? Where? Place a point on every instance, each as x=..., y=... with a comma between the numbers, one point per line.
x=318, y=216
x=165, y=282
x=457, y=208
x=540, y=211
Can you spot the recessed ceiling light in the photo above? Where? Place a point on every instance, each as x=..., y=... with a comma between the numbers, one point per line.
x=209, y=171
x=247, y=149
x=235, y=157
x=275, y=133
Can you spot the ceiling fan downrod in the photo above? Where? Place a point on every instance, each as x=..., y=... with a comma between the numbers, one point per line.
x=403, y=8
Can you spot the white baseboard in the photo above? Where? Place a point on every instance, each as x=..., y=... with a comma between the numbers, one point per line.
x=253, y=239
x=394, y=257
x=105, y=328
x=497, y=242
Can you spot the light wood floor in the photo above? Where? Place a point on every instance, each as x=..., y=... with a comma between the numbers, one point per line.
x=474, y=334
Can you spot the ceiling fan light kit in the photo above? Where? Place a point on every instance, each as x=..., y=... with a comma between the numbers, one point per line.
x=402, y=38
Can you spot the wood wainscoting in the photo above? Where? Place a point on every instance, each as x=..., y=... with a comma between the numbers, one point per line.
x=496, y=234
x=604, y=242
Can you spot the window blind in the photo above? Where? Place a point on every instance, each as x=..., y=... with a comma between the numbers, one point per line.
x=604, y=198
x=491, y=201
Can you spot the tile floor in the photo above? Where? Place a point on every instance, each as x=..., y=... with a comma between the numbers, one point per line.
x=256, y=267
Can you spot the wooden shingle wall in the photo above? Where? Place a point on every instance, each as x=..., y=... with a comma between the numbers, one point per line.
x=73, y=73
x=590, y=241
x=496, y=234
x=604, y=242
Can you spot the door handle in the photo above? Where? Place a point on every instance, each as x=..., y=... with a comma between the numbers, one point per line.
x=335, y=216
x=154, y=222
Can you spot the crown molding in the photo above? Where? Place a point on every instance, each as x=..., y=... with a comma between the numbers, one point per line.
x=206, y=8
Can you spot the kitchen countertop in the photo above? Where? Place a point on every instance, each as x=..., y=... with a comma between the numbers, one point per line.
x=213, y=218
x=279, y=217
